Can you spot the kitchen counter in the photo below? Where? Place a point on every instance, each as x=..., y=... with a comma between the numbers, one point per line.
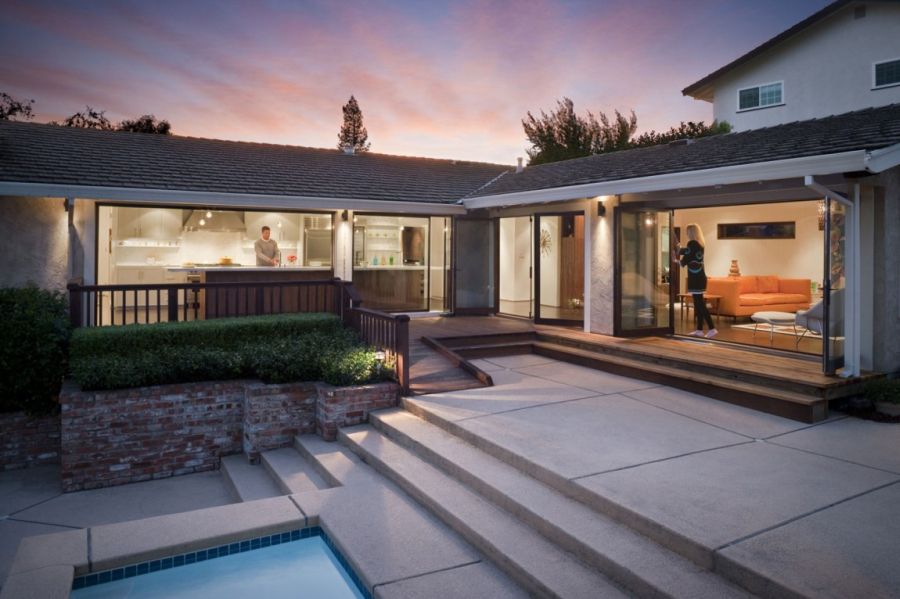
x=268, y=269
x=390, y=267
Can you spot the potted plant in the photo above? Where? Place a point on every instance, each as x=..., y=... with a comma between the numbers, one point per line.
x=884, y=395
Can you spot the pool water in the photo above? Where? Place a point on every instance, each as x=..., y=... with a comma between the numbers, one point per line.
x=302, y=568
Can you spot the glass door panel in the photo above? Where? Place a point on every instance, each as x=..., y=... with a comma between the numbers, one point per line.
x=643, y=265
x=439, y=268
x=473, y=265
x=515, y=266
x=835, y=279
x=559, y=272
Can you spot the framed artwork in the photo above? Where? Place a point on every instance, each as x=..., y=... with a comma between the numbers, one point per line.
x=782, y=230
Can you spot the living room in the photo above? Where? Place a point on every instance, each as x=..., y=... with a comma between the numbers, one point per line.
x=765, y=264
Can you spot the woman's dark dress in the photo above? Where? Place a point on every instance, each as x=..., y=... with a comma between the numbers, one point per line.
x=692, y=258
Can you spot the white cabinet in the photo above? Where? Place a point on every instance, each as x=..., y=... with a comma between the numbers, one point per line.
x=148, y=223
x=146, y=275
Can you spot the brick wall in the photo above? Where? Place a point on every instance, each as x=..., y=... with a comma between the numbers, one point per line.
x=116, y=437
x=26, y=441
x=274, y=414
x=345, y=406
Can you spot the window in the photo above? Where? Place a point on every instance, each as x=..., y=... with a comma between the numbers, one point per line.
x=761, y=96
x=887, y=73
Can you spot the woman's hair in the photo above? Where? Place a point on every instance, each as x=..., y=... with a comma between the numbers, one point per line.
x=694, y=232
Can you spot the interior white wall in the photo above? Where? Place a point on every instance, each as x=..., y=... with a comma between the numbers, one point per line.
x=800, y=258
x=436, y=253
x=550, y=263
x=343, y=247
x=515, y=258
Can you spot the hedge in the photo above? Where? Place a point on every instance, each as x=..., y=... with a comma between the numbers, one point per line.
x=275, y=349
x=34, y=337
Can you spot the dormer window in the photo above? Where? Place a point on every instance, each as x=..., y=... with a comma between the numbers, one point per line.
x=761, y=96
x=887, y=73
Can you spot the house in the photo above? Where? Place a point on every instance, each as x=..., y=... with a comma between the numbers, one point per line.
x=807, y=188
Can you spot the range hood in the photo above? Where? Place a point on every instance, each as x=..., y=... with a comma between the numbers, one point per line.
x=219, y=221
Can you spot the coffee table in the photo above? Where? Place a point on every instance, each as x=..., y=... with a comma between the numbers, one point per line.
x=771, y=319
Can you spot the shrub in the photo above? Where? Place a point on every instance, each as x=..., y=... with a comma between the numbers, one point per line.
x=34, y=338
x=883, y=390
x=311, y=348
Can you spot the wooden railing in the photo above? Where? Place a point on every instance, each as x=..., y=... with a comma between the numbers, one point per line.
x=112, y=305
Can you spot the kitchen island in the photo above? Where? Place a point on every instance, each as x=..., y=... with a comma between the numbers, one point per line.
x=391, y=287
x=259, y=289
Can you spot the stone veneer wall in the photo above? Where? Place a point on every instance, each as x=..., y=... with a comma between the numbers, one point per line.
x=131, y=435
x=27, y=441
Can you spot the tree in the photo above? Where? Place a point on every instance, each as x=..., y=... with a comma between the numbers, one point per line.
x=10, y=108
x=89, y=119
x=689, y=130
x=563, y=134
x=353, y=134
x=145, y=124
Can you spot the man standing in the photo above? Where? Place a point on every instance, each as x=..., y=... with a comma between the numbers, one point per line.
x=267, y=253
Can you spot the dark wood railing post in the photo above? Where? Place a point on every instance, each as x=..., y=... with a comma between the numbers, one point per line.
x=173, y=303
x=76, y=307
x=402, y=348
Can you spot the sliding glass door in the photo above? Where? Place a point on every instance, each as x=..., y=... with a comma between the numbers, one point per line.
x=516, y=289
x=559, y=268
x=644, y=268
x=834, y=291
x=474, y=247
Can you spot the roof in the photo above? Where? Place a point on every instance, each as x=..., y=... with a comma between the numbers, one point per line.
x=38, y=153
x=696, y=88
x=868, y=129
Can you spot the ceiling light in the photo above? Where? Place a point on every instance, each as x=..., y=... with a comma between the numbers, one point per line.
x=202, y=221
x=208, y=214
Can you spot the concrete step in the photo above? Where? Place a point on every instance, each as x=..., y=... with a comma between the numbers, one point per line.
x=533, y=562
x=246, y=481
x=631, y=559
x=291, y=472
x=336, y=464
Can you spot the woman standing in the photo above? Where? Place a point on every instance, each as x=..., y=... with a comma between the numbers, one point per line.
x=692, y=258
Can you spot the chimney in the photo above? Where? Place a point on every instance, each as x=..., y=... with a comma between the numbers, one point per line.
x=348, y=149
x=519, y=167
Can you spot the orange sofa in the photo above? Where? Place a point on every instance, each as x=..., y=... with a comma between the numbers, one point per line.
x=742, y=296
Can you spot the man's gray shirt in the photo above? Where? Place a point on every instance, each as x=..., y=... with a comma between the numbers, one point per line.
x=265, y=251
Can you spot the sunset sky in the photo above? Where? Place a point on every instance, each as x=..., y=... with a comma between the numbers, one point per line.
x=433, y=78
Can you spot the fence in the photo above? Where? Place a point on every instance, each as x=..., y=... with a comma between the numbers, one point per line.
x=113, y=305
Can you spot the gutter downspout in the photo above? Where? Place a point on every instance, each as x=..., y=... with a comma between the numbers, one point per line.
x=852, y=316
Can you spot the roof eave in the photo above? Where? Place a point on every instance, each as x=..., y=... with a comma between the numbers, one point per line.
x=175, y=197
x=852, y=161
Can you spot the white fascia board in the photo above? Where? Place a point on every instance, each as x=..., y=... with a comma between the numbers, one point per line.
x=129, y=195
x=883, y=159
x=726, y=175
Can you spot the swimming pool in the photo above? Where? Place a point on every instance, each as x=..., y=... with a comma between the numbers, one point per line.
x=300, y=563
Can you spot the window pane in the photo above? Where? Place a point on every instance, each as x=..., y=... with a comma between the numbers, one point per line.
x=770, y=94
x=749, y=98
x=391, y=259
x=887, y=73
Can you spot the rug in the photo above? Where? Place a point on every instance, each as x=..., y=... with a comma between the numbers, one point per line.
x=783, y=329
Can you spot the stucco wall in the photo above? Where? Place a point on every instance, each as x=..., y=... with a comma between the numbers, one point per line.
x=33, y=242
x=886, y=313
x=602, y=279
x=826, y=70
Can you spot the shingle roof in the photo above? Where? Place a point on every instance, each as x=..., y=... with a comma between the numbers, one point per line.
x=37, y=153
x=868, y=129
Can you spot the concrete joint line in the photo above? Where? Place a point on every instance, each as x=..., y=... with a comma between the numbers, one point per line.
x=542, y=405
x=11, y=519
x=804, y=515
x=830, y=457
x=36, y=504
x=415, y=576
x=727, y=430
x=674, y=457
x=594, y=391
x=297, y=505
x=813, y=425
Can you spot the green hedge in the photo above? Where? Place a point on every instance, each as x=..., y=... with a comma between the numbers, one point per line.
x=883, y=390
x=34, y=337
x=275, y=349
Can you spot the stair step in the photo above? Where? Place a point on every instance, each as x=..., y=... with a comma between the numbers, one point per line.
x=246, y=481
x=291, y=472
x=334, y=463
x=629, y=558
x=797, y=406
x=539, y=566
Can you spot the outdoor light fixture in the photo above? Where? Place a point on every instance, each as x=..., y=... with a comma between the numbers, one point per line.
x=379, y=355
x=202, y=222
x=601, y=209
x=345, y=215
x=208, y=214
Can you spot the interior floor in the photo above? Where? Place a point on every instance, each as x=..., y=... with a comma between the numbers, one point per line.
x=523, y=309
x=750, y=335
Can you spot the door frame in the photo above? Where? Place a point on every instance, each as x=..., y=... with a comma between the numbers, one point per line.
x=454, y=243
x=618, y=331
x=536, y=258
x=497, y=265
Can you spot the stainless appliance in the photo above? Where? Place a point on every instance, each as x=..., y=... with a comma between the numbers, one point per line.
x=218, y=221
x=317, y=247
x=413, y=245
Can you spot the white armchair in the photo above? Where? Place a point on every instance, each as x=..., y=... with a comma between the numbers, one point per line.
x=814, y=318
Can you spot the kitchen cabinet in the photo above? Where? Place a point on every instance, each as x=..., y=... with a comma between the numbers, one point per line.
x=148, y=223
x=147, y=275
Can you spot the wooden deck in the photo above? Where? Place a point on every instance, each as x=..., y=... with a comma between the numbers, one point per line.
x=780, y=383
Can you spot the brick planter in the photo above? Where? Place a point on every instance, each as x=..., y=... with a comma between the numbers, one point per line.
x=27, y=441
x=116, y=437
